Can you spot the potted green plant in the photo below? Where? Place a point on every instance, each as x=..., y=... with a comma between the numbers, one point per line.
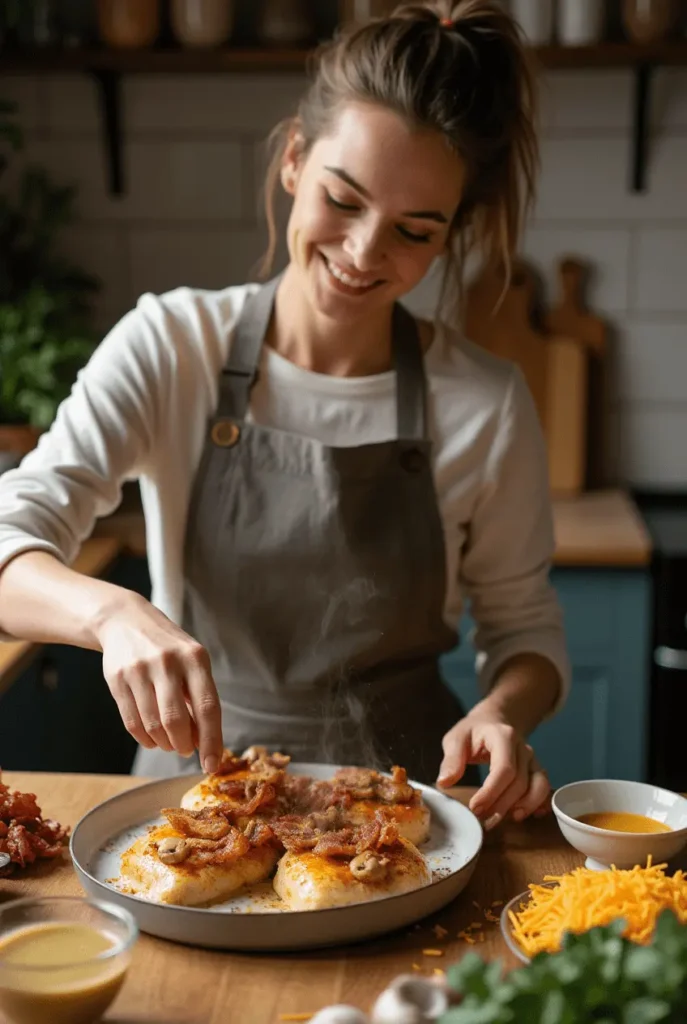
x=45, y=301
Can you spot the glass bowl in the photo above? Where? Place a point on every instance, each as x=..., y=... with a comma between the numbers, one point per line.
x=63, y=959
x=507, y=928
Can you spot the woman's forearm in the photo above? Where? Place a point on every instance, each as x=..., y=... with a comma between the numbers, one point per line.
x=44, y=601
x=525, y=691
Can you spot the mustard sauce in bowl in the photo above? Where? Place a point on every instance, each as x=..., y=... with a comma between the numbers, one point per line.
x=62, y=960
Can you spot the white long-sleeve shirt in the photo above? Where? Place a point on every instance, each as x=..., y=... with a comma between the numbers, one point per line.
x=139, y=411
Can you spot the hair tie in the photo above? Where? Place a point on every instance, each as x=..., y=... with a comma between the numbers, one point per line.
x=447, y=22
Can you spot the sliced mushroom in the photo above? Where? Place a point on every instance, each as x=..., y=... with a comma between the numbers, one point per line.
x=173, y=850
x=254, y=753
x=368, y=867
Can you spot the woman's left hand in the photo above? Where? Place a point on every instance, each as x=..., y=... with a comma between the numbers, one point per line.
x=516, y=785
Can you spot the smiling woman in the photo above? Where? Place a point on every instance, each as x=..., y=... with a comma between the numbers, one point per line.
x=326, y=480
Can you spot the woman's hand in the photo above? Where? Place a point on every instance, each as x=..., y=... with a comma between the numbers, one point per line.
x=162, y=681
x=516, y=783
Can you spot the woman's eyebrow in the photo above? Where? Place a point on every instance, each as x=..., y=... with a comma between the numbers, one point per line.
x=357, y=187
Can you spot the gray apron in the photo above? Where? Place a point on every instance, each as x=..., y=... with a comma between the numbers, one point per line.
x=315, y=578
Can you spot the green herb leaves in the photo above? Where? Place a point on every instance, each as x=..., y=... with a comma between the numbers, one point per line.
x=597, y=976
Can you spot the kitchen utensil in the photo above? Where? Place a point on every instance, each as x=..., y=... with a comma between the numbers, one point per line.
x=4, y=860
x=253, y=920
x=570, y=317
x=500, y=319
x=603, y=847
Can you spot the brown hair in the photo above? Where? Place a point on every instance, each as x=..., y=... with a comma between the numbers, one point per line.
x=459, y=68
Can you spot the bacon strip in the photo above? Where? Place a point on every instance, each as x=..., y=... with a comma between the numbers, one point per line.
x=24, y=834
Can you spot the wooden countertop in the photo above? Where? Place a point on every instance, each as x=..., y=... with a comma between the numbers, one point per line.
x=600, y=528
x=175, y=984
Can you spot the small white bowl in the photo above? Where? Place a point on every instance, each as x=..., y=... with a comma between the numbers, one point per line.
x=604, y=847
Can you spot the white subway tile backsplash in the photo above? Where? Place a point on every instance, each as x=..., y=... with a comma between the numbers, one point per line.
x=588, y=179
x=669, y=108
x=661, y=269
x=165, y=180
x=651, y=361
x=604, y=251
x=71, y=105
x=595, y=100
x=102, y=250
x=653, y=452
x=249, y=104
x=166, y=258
x=26, y=93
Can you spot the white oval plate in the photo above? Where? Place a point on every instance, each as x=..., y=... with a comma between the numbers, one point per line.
x=253, y=920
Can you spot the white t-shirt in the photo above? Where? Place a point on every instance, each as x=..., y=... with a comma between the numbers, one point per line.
x=139, y=410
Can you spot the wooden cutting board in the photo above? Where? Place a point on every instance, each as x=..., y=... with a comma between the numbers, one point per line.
x=570, y=316
x=554, y=364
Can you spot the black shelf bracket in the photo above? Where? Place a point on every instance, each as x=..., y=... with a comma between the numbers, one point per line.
x=640, y=124
x=108, y=84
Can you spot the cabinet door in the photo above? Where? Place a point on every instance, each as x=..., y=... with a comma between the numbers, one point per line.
x=601, y=732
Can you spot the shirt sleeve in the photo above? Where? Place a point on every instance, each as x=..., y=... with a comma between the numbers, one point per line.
x=101, y=436
x=510, y=544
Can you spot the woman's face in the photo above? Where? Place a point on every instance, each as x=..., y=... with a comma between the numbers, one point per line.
x=372, y=206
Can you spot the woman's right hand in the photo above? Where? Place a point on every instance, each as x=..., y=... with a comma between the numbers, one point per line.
x=162, y=682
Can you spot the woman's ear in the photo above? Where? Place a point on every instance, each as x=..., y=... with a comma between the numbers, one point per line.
x=292, y=160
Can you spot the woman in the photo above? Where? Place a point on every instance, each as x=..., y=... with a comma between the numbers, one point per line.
x=325, y=480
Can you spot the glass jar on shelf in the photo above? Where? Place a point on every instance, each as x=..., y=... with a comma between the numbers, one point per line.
x=202, y=23
x=129, y=24
x=649, y=21
x=284, y=23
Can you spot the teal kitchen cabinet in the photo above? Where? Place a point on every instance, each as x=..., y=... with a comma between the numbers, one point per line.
x=602, y=730
x=59, y=715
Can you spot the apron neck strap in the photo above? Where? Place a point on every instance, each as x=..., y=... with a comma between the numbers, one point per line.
x=241, y=370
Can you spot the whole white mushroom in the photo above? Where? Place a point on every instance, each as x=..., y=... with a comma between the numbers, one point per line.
x=409, y=1000
x=340, y=1014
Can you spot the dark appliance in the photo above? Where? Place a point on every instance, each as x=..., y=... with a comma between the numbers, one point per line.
x=665, y=516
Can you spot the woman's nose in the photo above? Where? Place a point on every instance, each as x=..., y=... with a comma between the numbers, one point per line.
x=364, y=246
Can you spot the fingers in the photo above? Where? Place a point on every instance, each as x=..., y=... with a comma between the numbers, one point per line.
x=456, y=745
x=207, y=713
x=144, y=694
x=499, y=808
x=130, y=716
x=502, y=743
x=537, y=798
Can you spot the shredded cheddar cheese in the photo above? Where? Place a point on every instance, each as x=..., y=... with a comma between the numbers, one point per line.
x=433, y=952
x=295, y=1016
x=585, y=899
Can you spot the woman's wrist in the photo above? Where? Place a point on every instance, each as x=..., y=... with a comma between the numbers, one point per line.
x=526, y=690
x=109, y=604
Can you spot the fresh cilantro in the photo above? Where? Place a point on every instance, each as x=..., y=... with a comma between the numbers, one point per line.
x=597, y=977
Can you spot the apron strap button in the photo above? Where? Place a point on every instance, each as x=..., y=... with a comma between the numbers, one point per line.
x=413, y=460
x=225, y=433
